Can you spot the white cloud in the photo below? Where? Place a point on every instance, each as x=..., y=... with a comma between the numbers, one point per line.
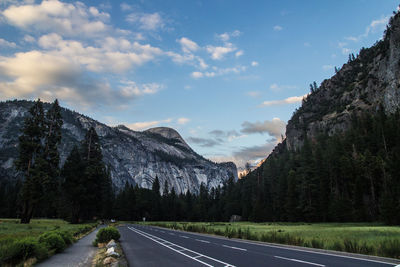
x=188, y=45
x=277, y=88
x=5, y=43
x=218, y=72
x=289, y=100
x=140, y=126
x=346, y=51
x=277, y=28
x=377, y=25
x=218, y=52
x=197, y=74
x=131, y=88
x=226, y=36
x=125, y=7
x=29, y=39
x=254, y=93
x=254, y=63
x=275, y=127
x=239, y=53
x=115, y=54
x=183, y=120
x=55, y=16
x=147, y=21
x=327, y=67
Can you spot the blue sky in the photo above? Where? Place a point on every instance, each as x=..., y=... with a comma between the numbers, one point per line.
x=226, y=74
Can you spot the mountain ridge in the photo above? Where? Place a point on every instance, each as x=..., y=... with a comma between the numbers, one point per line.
x=134, y=157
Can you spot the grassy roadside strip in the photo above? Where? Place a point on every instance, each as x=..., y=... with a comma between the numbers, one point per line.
x=361, y=238
x=25, y=245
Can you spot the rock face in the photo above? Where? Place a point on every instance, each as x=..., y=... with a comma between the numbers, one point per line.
x=133, y=157
x=368, y=82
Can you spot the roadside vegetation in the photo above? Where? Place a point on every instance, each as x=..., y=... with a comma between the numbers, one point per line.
x=363, y=238
x=26, y=244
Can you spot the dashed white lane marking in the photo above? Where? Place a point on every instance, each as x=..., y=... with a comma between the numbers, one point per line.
x=243, y=249
x=306, y=262
x=184, y=236
x=171, y=233
x=180, y=250
x=204, y=241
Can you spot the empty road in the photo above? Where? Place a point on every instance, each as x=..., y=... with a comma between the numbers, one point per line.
x=153, y=246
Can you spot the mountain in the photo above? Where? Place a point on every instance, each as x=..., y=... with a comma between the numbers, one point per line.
x=134, y=157
x=340, y=158
x=364, y=84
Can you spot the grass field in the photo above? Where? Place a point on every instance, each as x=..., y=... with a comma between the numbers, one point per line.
x=37, y=240
x=365, y=238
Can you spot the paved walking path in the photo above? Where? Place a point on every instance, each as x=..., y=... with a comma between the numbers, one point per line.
x=79, y=254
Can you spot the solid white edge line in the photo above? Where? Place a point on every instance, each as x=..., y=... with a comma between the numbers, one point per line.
x=306, y=262
x=149, y=236
x=282, y=247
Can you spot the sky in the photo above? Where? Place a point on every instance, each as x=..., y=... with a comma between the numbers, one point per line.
x=226, y=74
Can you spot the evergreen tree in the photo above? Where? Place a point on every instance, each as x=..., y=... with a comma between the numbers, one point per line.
x=30, y=160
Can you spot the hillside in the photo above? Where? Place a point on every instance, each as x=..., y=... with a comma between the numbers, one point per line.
x=134, y=157
x=339, y=160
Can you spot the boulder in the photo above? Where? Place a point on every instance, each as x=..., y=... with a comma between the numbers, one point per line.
x=111, y=244
x=109, y=260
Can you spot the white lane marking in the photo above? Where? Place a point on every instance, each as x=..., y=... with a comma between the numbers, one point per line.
x=204, y=241
x=235, y=247
x=160, y=240
x=171, y=233
x=162, y=232
x=306, y=262
x=295, y=249
x=184, y=236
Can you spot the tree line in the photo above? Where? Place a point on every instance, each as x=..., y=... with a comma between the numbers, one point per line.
x=350, y=176
x=80, y=190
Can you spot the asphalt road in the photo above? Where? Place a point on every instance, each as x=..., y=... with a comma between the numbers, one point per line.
x=153, y=246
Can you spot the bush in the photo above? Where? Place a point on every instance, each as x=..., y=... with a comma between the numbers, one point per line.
x=66, y=236
x=53, y=240
x=23, y=249
x=104, y=235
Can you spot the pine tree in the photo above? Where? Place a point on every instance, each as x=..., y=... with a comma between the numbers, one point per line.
x=30, y=160
x=73, y=188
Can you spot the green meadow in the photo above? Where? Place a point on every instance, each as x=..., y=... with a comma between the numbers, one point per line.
x=29, y=243
x=364, y=238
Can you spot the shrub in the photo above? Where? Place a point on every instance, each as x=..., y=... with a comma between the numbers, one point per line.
x=23, y=249
x=66, y=236
x=53, y=240
x=104, y=235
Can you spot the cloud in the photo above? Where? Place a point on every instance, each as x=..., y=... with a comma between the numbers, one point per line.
x=140, y=126
x=377, y=25
x=5, y=43
x=239, y=53
x=252, y=154
x=219, y=52
x=276, y=127
x=254, y=93
x=183, y=121
x=55, y=16
x=277, y=28
x=277, y=88
x=126, y=7
x=218, y=72
x=188, y=45
x=131, y=88
x=197, y=74
x=225, y=37
x=114, y=54
x=147, y=21
x=254, y=63
x=327, y=67
x=29, y=39
x=289, y=100
x=203, y=142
